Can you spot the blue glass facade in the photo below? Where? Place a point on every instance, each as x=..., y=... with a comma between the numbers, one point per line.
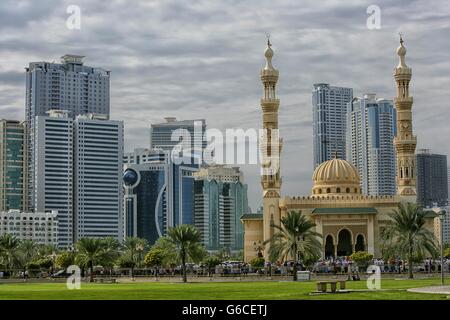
x=145, y=202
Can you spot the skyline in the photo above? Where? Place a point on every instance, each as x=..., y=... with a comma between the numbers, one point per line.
x=212, y=64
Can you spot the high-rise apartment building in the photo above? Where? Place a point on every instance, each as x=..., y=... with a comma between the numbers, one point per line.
x=70, y=86
x=432, y=187
x=173, y=132
x=371, y=128
x=329, y=121
x=220, y=201
x=98, y=168
x=13, y=164
x=53, y=170
x=78, y=168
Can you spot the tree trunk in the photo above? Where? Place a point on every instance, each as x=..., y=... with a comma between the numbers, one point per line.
x=295, y=271
x=410, y=263
x=91, y=271
x=183, y=262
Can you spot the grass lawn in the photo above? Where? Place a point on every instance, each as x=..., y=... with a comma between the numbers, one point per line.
x=212, y=291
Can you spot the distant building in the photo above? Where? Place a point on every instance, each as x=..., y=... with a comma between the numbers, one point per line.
x=189, y=131
x=70, y=86
x=329, y=105
x=445, y=227
x=146, y=181
x=53, y=169
x=371, y=128
x=78, y=168
x=163, y=193
x=41, y=227
x=13, y=164
x=98, y=168
x=448, y=184
x=220, y=201
x=432, y=180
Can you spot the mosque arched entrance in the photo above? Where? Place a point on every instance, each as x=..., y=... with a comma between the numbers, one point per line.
x=360, y=246
x=344, y=247
x=329, y=246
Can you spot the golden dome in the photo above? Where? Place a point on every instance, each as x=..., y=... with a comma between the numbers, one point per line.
x=336, y=176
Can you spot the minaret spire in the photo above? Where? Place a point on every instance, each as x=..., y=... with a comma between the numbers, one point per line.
x=270, y=145
x=405, y=142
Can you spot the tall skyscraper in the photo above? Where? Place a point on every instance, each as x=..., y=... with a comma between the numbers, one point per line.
x=163, y=192
x=448, y=183
x=69, y=86
x=371, y=128
x=53, y=168
x=146, y=184
x=13, y=165
x=432, y=179
x=220, y=201
x=405, y=141
x=194, y=130
x=329, y=121
x=98, y=168
x=78, y=170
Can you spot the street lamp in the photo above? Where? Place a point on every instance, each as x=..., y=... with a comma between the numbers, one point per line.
x=441, y=213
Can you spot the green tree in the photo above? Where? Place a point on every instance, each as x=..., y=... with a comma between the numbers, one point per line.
x=169, y=250
x=89, y=252
x=134, y=250
x=257, y=263
x=186, y=239
x=27, y=249
x=361, y=258
x=211, y=262
x=65, y=259
x=407, y=236
x=447, y=253
x=154, y=258
x=111, y=252
x=294, y=238
x=9, y=251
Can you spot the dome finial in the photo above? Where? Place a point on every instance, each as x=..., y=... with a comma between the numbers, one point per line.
x=336, y=156
x=268, y=40
x=401, y=52
x=268, y=54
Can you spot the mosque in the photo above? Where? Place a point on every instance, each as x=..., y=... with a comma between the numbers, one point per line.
x=348, y=220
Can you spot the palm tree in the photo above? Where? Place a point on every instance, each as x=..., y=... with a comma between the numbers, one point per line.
x=407, y=236
x=28, y=251
x=90, y=251
x=9, y=251
x=296, y=239
x=186, y=238
x=134, y=250
x=110, y=252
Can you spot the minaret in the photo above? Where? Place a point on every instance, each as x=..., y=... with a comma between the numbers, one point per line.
x=270, y=146
x=405, y=142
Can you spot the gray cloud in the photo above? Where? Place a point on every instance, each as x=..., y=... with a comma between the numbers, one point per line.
x=194, y=59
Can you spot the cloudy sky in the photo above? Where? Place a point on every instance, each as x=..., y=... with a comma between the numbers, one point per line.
x=201, y=59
